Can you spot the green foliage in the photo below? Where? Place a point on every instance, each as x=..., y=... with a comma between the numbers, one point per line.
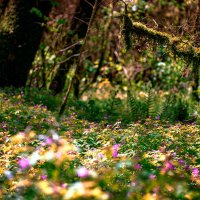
x=41, y=97
x=166, y=106
x=54, y=3
x=142, y=108
x=36, y=11
x=25, y=108
x=175, y=108
x=97, y=110
x=138, y=108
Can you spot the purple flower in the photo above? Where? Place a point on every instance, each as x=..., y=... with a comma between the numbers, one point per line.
x=138, y=166
x=24, y=163
x=181, y=162
x=36, y=106
x=82, y=172
x=115, y=150
x=157, y=117
x=43, y=177
x=195, y=172
x=187, y=167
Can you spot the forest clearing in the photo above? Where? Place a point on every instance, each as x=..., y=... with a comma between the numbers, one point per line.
x=100, y=99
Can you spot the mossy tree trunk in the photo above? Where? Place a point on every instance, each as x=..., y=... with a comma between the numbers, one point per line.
x=20, y=34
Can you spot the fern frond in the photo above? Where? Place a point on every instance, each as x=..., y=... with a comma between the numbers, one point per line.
x=150, y=104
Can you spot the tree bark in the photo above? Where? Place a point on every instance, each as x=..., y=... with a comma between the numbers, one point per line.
x=20, y=35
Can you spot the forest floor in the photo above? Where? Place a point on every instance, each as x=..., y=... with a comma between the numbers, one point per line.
x=74, y=158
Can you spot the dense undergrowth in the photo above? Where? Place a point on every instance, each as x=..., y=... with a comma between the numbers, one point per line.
x=141, y=148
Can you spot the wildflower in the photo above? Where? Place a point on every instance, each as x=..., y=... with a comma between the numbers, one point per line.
x=34, y=158
x=181, y=162
x=24, y=163
x=134, y=8
x=133, y=184
x=101, y=156
x=41, y=137
x=169, y=166
x=143, y=94
x=3, y=126
x=8, y=174
x=49, y=155
x=161, y=64
x=64, y=185
x=36, y=106
x=152, y=176
x=71, y=152
x=55, y=136
x=58, y=155
x=157, y=117
x=195, y=172
x=49, y=141
x=75, y=190
x=187, y=168
x=43, y=177
x=138, y=166
x=115, y=150
x=82, y=172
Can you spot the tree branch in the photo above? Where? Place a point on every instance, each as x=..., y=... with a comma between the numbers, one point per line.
x=178, y=45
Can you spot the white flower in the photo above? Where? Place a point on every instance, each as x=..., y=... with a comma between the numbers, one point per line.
x=134, y=8
x=34, y=158
x=8, y=174
x=161, y=64
x=75, y=190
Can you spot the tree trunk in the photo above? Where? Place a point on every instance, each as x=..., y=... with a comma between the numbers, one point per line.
x=79, y=26
x=20, y=34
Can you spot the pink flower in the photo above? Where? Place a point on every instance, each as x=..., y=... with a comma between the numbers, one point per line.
x=24, y=163
x=115, y=150
x=152, y=176
x=43, y=177
x=82, y=172
x=169, y=166
x=195, y=172
x=64, y=185
x=49, y=141
x=71, y=152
